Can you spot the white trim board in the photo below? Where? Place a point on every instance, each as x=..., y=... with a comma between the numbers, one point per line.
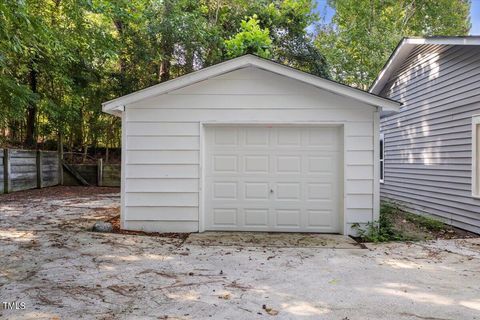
x=344, y=229
x=475, y=153
x=116, y=106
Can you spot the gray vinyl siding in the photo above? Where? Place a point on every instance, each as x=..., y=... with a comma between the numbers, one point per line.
x=428, y=150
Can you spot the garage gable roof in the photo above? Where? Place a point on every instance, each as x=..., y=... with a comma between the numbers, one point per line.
x=406, y=46
x=116, y=106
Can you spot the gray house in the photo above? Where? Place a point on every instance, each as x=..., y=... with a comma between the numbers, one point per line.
x=430, y=158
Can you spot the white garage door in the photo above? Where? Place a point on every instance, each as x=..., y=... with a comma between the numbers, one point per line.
x=273, y=178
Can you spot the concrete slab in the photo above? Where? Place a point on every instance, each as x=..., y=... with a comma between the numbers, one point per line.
x=275, y=240
x=59, y=271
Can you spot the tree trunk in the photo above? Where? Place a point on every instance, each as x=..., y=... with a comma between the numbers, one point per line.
x=166, y=44
x=122, y=63
x=32, y=108
x=189, y=57
x=85, y=153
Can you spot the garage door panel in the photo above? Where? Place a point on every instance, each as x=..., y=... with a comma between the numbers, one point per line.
x=319, y=191
x=288, y=164
x=225, y=137
x=322, y=137
x=272, y=179
x=321, y=164
x=287, y=218
x=225, y=164
x=288, y=191
x=256, y=191
x=320, y=218
x=257, y=137
x=256, y=164
x=225, y=190
x=256, y=217
x=225, y=217
x=288, y=137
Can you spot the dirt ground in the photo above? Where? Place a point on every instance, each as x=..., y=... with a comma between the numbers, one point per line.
x=56, y=269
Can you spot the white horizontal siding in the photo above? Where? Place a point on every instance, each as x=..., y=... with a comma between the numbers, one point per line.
x=362, y=157
x=166, y=129
x=359, y=143
x=162, y=171
x=359, y=186
x=169, y=199
x=359, y=129
x=359, y=201
x=163, y=157
x=162, y=147
x=428, y=144
x=162, y=143
x=161, y=185
x=240, y=101
x=359, y=172
x=276, y=115
x=358, y=215
x=163, y=213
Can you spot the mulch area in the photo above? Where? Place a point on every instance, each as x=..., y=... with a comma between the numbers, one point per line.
x=419, y=232
x=57, y=192
x=115, y=221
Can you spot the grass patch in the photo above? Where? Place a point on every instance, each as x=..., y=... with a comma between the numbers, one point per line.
x=428, y=223
x=396, y=224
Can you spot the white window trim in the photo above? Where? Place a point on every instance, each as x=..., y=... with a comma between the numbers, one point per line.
x=475, y=153
x=382, y=157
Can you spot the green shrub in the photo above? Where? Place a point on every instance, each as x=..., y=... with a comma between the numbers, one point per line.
x=389, y=228
x=382, y=230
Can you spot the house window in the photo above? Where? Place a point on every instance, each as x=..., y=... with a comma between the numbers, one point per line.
x=382, y=156
x=476, y=156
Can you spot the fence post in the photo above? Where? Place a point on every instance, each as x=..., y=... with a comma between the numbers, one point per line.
x=39, y=169
x=100, y=172
x=6, y=171
x=60, y=159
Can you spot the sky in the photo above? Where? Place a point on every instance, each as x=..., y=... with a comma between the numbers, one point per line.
x=324, y=10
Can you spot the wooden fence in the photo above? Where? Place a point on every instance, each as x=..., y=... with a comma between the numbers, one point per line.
x=100, y=174
x=29, y=169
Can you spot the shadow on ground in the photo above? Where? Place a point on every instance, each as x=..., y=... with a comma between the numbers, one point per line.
x=60, y=271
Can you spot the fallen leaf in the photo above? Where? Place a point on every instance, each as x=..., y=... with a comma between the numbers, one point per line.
x=269, y=310
x=225, y=296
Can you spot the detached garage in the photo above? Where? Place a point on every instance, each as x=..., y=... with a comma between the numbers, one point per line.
x=249, y=145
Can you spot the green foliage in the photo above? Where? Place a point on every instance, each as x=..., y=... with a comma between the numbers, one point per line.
x=382, y=230
x=60, y=59
x=425, y=222
x=387, y=228
x=250, y=39
x=363, y=34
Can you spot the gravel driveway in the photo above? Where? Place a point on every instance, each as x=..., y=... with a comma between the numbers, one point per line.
x=53, y=267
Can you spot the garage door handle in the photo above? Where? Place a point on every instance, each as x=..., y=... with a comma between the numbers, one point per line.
x=271, y=190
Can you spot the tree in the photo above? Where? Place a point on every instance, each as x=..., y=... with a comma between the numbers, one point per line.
x=60, y=59
x=363, y=34
x=250, y=39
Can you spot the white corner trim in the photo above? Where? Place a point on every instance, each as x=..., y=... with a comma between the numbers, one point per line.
x=376, y=165
x=475, y=151
x=381, y=156
x=201, y=183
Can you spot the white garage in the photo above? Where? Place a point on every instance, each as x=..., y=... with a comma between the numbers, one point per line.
x=249, y=145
